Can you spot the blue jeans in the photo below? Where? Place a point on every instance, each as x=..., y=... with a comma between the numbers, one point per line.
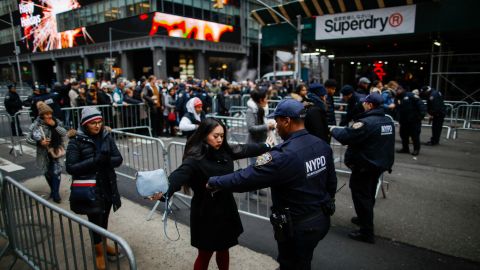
x=52, y=176
x=297, y=252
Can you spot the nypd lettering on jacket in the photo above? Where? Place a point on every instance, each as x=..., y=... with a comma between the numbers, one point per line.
x=387, y=130
x=315, y=166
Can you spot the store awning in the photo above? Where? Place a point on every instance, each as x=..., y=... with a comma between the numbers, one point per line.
x=312, y=8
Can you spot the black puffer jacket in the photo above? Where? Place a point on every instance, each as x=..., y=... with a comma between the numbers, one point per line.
x=81, y=164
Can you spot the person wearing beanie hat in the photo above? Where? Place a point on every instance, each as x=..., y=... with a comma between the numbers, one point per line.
x=92, y=157
x=191, y=120
x=47, y=133
x=331, y=86
x=43, y=108
x=316, y=113
x=354, y=104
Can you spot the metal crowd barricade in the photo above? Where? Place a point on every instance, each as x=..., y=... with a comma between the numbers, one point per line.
x=121, y=117
x=6, y=136
x=471, y=115
x=236, y=127
x=46, y=236
x=244, y=100
x=140, y=153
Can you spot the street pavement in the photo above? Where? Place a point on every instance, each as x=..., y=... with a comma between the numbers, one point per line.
x=428, y=219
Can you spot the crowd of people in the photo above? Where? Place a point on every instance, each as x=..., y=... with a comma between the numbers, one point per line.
x=300, y=171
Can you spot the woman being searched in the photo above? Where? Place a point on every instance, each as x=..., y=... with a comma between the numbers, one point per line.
x=92, y=157
x=192, y=119
x=214, y=220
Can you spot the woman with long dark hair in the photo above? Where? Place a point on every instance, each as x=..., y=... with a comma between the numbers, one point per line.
x=214, y=220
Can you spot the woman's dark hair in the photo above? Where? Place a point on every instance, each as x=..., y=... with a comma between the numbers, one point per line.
x=197, y=146
x=299, y=88
x=257, y=94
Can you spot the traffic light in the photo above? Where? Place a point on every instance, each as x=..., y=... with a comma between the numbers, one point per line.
x=218, y=4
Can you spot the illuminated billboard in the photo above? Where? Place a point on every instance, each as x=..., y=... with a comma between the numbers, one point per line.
x=39, y=25
x=181, y=27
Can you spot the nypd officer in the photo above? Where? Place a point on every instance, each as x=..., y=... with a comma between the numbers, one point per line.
x=436, y=109
x=370, y=152
x=302, y=176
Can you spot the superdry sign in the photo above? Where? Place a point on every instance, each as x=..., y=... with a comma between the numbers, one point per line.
x=377, y=22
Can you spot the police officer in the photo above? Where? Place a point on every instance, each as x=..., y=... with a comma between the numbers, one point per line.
x=301, y=174
x=436, y=109
x=13, y=104
x=370, y=152
x=410, y=112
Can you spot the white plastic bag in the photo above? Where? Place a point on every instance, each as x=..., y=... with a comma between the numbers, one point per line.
x=151, y=182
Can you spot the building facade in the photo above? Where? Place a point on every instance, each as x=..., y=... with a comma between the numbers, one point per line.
x=128, y=38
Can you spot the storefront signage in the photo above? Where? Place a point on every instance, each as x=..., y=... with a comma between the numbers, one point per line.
x=378, y=70
x=376, y=22
x=26, y=15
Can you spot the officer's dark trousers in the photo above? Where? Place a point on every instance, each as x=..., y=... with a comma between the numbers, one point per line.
x=410, y=130
x=437, y=123
x=363, y=184
x=101, y=220
x=297, y=252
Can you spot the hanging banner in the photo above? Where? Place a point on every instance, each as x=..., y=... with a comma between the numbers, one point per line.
x=376, y=22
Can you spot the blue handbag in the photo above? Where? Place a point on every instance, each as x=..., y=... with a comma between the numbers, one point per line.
x=151, y=182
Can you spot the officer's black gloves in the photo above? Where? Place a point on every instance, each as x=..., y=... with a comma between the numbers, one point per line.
x=329, y=207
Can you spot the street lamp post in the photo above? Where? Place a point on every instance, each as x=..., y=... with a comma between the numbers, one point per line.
x=259, y=52
x=16, y=51
x=298, y=30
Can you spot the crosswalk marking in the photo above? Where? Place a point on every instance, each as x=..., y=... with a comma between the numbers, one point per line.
x=9, y=166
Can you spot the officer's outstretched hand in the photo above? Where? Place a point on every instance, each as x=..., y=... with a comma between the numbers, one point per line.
x=211, y=189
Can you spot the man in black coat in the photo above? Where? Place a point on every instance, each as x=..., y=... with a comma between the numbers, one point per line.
x=354, y=104
x=436, y=109
x=331, y=86
x=13, y=104
x=316, y=114
x=410, y=112
x=370, y=152
x=222, y=108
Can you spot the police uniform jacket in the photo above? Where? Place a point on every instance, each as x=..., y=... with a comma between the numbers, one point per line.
x=12, y=102
x=435, y=104
x=370, y=140
x=300, y=172
x=410, y=109
x=214, y=220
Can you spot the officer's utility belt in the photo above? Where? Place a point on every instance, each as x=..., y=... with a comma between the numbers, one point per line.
x=282, y=223
x=307, y=218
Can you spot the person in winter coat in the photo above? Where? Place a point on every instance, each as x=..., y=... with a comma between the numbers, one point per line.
x=13, y=104
x=256, y=117
x=316, y=122
x=93, y=155
x=191, y=120
x=215, y=224
x=47, y=132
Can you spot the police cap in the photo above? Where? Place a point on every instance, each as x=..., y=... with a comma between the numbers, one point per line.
x=288, y=108
x=347, y=90
x=374, y=98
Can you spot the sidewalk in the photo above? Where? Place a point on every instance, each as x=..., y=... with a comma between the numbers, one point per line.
x=146, y=238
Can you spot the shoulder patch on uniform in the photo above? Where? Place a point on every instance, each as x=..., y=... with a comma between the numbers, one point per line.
x=431, y=98
x=357, y=125
x=263, y=159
